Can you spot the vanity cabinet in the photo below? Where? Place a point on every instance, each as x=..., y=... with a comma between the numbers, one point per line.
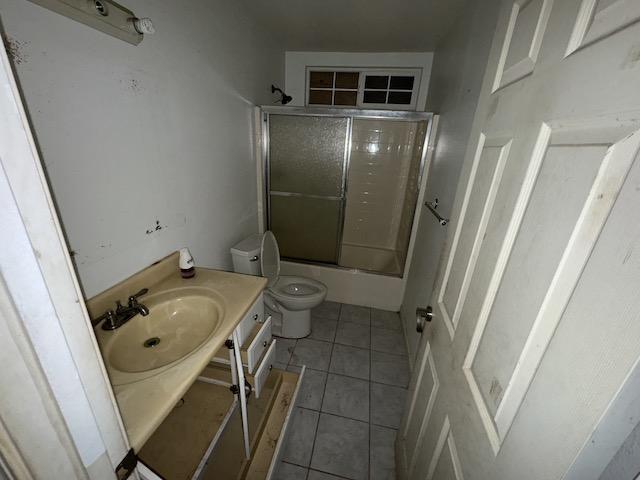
x=219, y=431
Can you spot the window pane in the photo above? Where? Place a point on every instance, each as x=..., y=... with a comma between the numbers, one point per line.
x=321, y=80
x=400, y=98
x=347, y=80
x=345, y=98
x=376, y=81
x=319, y=97
x=374, y=97
x=401, y=83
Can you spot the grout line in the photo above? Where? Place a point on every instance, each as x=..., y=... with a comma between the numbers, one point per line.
x=370, y=404
x=384, y=426
x=336, y=415
x=315, y=470
x=313, y=339
x=390, y=385
x=329, y=473
x=392, y=354
x=387, y=328
x=348, y=345
x=389, y=353
x=351, y=376
x=315, y=433
x=295, y=465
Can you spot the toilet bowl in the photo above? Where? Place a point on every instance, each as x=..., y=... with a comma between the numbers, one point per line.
x=288, y=299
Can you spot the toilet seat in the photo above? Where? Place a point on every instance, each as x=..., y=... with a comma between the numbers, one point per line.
x=298, y=293
x=270, y=258
x=293, y=292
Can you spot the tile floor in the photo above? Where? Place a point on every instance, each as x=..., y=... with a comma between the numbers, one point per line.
x=352, y=397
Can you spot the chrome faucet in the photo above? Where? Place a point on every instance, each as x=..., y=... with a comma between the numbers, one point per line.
x=116, y=318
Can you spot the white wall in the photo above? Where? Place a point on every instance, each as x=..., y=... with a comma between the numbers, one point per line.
x=458, y=69
x=626, y=463
x=159, y=132
x=297, y=62
x=40, y=308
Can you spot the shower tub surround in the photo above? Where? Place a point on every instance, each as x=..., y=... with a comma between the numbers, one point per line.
x=384, y=171
x=342, y=191
x=352, y=396
x=341, y=186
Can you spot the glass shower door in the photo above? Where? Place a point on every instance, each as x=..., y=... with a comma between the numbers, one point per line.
x=307, y=156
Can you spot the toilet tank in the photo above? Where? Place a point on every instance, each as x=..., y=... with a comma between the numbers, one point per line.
x=246, y=255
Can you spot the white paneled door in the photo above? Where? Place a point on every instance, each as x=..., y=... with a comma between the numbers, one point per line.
x=537, y=303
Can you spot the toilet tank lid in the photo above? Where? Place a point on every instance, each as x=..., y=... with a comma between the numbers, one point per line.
x=248, y=247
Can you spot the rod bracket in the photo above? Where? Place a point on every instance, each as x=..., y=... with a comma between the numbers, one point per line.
x=432, y=208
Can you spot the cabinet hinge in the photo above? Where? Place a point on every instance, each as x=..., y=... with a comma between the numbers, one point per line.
x=248, y=388
x=128, y=464
x=229, y=344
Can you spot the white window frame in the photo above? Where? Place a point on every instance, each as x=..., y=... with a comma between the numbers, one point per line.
x=364, y=72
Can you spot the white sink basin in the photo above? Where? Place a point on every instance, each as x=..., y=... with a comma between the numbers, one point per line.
x=179, y=321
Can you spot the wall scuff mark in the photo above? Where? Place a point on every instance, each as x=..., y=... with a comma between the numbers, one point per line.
x=15, y=49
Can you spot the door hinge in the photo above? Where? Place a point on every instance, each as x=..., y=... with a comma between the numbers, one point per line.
x=128, y=464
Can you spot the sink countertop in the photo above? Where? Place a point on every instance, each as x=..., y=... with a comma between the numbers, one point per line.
x=146, y=403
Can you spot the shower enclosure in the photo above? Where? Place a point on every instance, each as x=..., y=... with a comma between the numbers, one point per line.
x=341, y=185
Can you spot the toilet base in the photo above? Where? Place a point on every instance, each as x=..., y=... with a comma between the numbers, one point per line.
x=289, y=323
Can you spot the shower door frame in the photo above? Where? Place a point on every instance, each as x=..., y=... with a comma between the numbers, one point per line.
x=350, y=114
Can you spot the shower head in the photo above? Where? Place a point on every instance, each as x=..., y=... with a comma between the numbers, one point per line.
x=284, y=99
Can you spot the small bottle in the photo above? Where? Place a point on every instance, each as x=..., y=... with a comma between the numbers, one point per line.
x=187, y=267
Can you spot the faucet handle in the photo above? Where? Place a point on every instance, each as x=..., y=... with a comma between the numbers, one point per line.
x=119, y=306
x=135, y=296
x=110, y=318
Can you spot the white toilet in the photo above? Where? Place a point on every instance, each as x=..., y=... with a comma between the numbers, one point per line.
x=288, y=299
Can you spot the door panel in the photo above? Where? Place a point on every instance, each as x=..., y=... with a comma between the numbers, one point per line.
x=526, y=27
x=479, y=199
x=533, y=331
x=445, y=463
x=543, y=271
x=599, y=18
x=421, y=403
x=563, y=183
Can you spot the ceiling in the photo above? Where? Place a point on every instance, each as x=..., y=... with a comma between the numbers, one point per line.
x=357, y=25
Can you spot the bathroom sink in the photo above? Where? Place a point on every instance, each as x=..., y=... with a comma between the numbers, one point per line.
x=179, y=322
